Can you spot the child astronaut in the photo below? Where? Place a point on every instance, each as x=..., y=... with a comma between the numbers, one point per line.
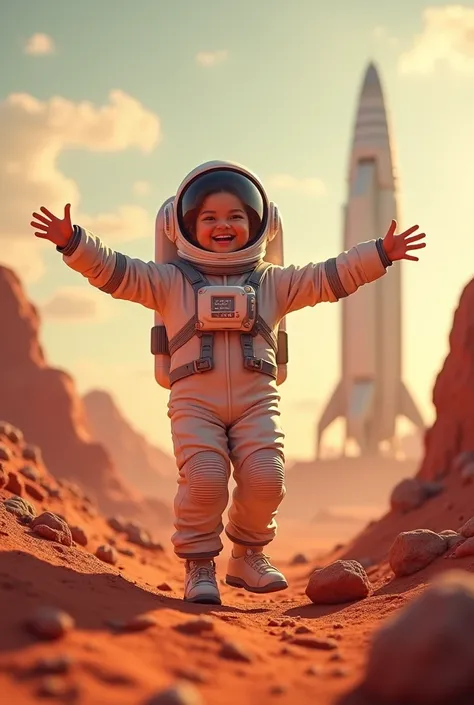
x=224, y=402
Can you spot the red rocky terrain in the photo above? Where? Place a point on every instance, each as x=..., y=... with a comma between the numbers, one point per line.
x=92, y=610
x=45, y=404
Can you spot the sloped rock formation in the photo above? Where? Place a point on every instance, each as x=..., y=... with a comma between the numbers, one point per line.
x=44, y=403
x=145, y=466
x=453, y=395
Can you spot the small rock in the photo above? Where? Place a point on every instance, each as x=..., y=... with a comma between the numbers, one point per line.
x=273, y=623
x=467, y=529
x=52, y=491
x=117, y=524
x=179, y=694
x=314, y=671
x=52, y=527
x=35, y=492
x=314, y=643
x=432, y=488
x=53, y=664
x=5, y=428
x=341, y=581
x=14, y=435
x=79, y=535
x=137, y=535
x=30, y=473
x=190, y=674
x=5, y=453
x=339, y=672
x=108, y=554
x=55, y=687
x=139, y=623
x=299, y=559
x=196, y=626
x=408, y=495
x=126, y=552
x=234, y=652
x=20, y=507
x=33, y=453
x=3, y=476
x=277, y=689
x=466, y=548
x=452, y=538
x=303, y=630
x=414, y=550
x=15, y=484
x=336, y=657
x=50, y=623
x=164, y=587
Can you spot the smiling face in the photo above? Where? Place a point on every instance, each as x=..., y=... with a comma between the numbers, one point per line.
x=222, y=224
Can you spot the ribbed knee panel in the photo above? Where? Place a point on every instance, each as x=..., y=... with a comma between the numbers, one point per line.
x=207, y=476
x=264, y=471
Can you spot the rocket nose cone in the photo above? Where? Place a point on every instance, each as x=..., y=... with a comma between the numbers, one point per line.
x=371, y=84
x=371, y=133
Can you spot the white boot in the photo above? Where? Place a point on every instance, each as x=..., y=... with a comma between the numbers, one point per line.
x=200, y=583
x=254, y=572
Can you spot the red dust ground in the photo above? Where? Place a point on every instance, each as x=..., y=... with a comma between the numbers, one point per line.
x=253, y=649
x=107, y=665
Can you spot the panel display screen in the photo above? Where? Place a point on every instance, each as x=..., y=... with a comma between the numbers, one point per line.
x=222, y=304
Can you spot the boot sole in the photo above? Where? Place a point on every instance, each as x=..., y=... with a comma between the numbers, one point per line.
x=204, y=600
x=271, y=587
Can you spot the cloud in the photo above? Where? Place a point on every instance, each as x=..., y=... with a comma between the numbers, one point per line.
x=141, y=188
x=447, y=37
x=40, y=45
x=210, y=58
x=127, y=223
x=72, y=304
x=382, y=35
x=307, y=186
x=33, y=136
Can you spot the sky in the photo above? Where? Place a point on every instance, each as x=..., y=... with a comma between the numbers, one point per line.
x=108, y=105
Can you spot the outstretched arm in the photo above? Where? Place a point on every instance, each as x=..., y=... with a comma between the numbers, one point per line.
x=341, y=276
x=112, y=272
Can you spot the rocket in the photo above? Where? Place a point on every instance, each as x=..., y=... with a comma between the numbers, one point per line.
x=371, y=393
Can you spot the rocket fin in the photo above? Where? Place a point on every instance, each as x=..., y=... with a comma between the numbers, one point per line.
x=409, y=409
x=334, y=409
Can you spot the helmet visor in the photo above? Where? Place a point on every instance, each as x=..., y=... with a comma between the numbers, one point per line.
x=231, y=181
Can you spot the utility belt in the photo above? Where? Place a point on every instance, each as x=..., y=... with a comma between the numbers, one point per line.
x=222, y=308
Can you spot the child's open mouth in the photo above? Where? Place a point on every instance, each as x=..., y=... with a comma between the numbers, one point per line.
x=223, y=238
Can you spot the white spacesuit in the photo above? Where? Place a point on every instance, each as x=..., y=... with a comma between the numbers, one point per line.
x=221, y=312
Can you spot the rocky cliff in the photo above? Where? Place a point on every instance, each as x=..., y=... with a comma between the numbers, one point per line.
x=453, y=396
x=44, y=403
x=148, y=468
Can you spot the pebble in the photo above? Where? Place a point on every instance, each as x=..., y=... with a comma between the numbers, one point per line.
x=234, y=652
x=196, y=626
x=179, y=694
x=50, y=623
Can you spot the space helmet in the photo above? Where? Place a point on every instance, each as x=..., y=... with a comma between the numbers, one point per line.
x=212, y=177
